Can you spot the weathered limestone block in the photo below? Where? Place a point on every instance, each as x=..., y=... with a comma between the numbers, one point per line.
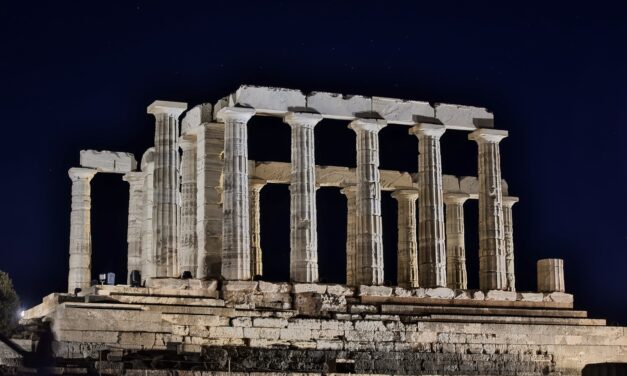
x=368, y=231
x=303, y=221
x=431, y=241
x=463, y=117
x=492, y=267
x=402, y=111
x=375, y=290
x=551, y=275
x=195, y=116
x=79, y=275
x=501, y=295
x=108, y=161
x=136, y=182
x=235, y=210
x=440, y=293
x=265, y=100
x=182, y=284
x=166, y=184
x=338, y=106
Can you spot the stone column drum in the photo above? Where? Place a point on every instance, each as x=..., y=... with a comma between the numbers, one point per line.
x=79, y=275
x=166, y=185
x=492, y=269
x=431, y=235
x=148, y=250
x=351, y=226
x=368, y=231
x=303, y=223
x=456, y=275
x=235, y=220
x=407, y=265
x=508, y=226
x=188, y=245
x=551, y=275
x=256, y=259
x=135, y=221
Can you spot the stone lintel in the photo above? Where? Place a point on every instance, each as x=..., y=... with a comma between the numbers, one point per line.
x=79, y=173
x=167, y=107
x=272, y=101
x=108, y=161
x=488, y=135
x=134, y=176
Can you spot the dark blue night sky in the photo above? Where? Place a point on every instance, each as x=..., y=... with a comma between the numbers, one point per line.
x=78, y=75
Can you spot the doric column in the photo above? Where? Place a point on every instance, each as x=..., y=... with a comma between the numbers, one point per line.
x=492, y=270
x=256, y=260
x=303, y=232
x=166, y=184
x=407, y=254
x=456, y=276
x=368, y=232
x=235, y=219
x=351, y=227
x=135, y=221
x=209, y=164
x=508, y=226
x=187, y=255
x=79, y=275
x=148, y=246
x=551, y=275
x=431, y=236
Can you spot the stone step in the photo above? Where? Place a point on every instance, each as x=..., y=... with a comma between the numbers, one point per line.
x=168, y=300
x=107, y=290
x=516, y=320
x=419, y=310
x=415, y=300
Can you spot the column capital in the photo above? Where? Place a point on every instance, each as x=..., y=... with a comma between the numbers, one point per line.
x=187, y=141
x=302, y=119
x=257, y=184
x=80, y=173
x=456, y=198
x=509, y=201
x=134, y=177
x=426, y=129
x=484, y=135
x=166, y=107
x=367, y=125
x=410, y=194
x=239, y=114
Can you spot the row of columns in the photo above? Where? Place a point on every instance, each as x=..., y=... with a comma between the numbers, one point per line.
x=431, y=252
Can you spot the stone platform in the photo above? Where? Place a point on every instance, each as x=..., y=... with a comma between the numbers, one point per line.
x=318, y=328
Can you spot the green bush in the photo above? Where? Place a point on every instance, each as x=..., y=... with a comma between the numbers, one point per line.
x=9, y=304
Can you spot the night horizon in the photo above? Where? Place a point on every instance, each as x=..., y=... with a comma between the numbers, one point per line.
x=82, y=79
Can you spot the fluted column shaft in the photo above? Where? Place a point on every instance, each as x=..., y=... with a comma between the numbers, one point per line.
x=368, y=231
x=456, y=275
x=79, y=275
x=147, y=243
x=351, y=227
x=188, y=245
x=508, y=226
x=209, y=164
x=431, y=234
x=492, y=266
x=235, y=220
x=303, y=223
x=166, y=185
x=407, y=254
x=135, y=221
x=256, y=259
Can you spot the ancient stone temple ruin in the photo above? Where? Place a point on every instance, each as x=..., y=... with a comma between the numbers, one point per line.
x=196, y=299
